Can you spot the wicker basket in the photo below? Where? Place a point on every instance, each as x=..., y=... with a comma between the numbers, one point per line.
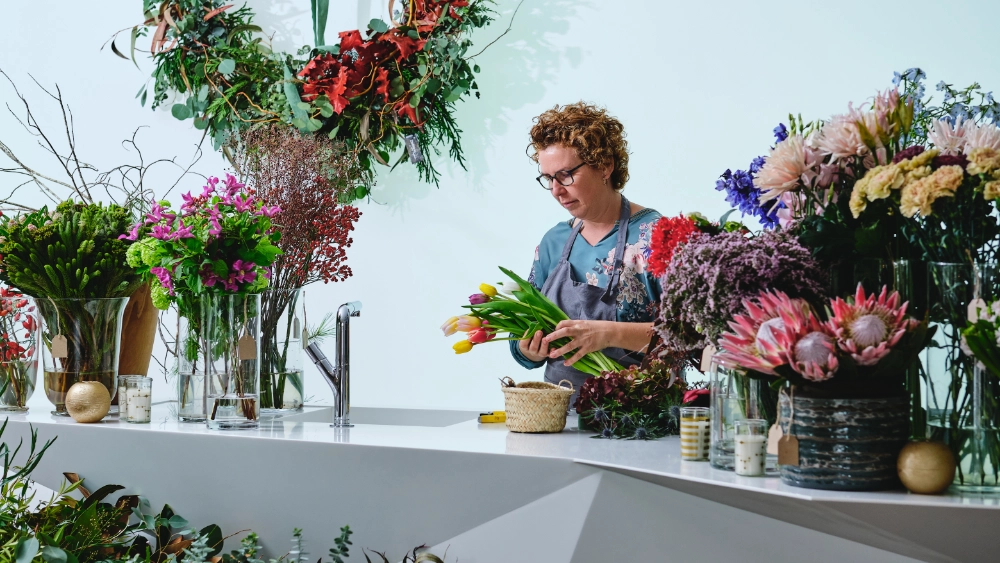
x=536, y=406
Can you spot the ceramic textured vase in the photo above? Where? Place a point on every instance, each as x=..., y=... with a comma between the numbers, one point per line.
x=844, y=443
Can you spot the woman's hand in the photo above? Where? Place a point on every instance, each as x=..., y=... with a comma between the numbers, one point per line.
x=533, y=347
x=585, y=337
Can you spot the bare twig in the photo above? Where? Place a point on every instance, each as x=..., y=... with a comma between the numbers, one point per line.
x=509, y=26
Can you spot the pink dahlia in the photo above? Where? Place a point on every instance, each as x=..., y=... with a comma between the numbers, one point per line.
x=868, y=328
x=986, y=135
x=753, y=342
x=948, y=138
x=783, y=170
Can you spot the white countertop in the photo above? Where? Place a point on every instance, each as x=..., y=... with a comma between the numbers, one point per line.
x=657, y=458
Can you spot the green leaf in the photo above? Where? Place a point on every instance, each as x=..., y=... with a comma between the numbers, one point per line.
x=475, y=68
x=203, y=93
x=51, y=554
x=378, y=26
x=360, y=192
x=180, y=111
x=214, y=536
x=303, y=106
x=300, y=124
x=220, y=268
x=314, y=125
x=320, y=12
x=227, y=67
x=200, y=123
x=26, y=550
x=177, y=522
x=414, y=101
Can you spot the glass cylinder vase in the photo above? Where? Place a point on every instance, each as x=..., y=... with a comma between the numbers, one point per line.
x=19, y=324
x=281, y=324
x=218, y=364
x=962, y=399
x=81, y=338
x=736, y=397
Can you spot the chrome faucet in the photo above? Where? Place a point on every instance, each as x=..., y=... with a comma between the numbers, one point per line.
x=339, y=374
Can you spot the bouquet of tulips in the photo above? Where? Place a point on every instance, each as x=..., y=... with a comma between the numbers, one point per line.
x=518, y=310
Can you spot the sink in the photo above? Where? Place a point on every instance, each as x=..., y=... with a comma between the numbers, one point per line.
x=386, y=416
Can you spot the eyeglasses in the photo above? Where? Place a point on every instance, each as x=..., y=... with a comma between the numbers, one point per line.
x=564, y=177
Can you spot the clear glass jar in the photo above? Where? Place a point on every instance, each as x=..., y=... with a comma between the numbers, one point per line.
x=218, y=363
x=737, y=397
x=282, y=325
x=19, y=323
x=962, y=399
x=81, y=338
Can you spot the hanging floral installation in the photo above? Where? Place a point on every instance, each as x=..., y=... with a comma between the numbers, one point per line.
x=391, y=86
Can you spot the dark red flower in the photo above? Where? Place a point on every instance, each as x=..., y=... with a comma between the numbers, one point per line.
x=907, y=153
x=950, y=160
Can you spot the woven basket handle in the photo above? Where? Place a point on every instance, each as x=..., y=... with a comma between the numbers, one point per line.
x=507, y=382
x=568, y=382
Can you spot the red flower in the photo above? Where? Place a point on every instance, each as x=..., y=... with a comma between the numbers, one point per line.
x=668, y=233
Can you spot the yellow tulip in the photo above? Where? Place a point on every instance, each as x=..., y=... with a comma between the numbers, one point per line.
x=488, y=289
x=462, y=346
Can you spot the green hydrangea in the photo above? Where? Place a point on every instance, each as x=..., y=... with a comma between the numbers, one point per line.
x=161, y=299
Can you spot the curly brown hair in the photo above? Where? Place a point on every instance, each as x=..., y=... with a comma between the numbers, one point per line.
x=599, y=138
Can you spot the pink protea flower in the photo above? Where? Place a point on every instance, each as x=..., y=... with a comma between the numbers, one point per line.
x=783, y=170
x=807, y=347
x=753, y=342
x=868, y=328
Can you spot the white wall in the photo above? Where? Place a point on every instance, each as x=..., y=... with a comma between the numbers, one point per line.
x=698, y=85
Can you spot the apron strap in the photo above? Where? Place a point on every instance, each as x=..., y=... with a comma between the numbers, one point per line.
x=619, y=248
x=569, y=241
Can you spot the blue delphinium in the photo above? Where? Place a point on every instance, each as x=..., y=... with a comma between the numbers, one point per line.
x=780, y=132
x=744, y=196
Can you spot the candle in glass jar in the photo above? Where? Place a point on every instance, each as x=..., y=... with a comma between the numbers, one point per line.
x=695, y=436
x=750, y=447
x=135, y=396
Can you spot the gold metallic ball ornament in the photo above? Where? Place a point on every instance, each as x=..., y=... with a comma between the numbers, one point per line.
x=88, y=401
x=926, y=468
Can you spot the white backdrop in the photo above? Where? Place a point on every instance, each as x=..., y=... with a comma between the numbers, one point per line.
x=698, y=85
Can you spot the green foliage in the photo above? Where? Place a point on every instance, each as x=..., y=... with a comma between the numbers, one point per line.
x=636, y=403
x=73, y=252
x=213, y=55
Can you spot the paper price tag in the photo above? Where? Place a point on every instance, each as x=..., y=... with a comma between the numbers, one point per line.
x=975, y=306
x=773, y=435
x=706, y=358
x=59, y=347
x=247, y=347
x=788, y=451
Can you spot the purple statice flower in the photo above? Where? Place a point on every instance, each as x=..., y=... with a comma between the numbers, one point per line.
x=780, y=133
x=161, y=232
x=243, y=272
x=163, y=275
x=709, y=278
x=132, y=235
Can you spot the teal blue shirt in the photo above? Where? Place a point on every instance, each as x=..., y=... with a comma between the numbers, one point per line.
x=638, y=290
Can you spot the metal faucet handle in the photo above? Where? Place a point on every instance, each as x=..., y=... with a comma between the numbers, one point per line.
x=353, y=308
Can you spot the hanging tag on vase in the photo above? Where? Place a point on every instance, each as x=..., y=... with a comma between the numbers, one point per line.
x=706, y=358
x=773, y=437
x=59, y=347
x=247, y=346
x=296, y=328
x=975, y=306
x=788, y=451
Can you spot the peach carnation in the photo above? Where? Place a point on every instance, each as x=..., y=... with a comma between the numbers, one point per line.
x=984, y=160
x=919, y=196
